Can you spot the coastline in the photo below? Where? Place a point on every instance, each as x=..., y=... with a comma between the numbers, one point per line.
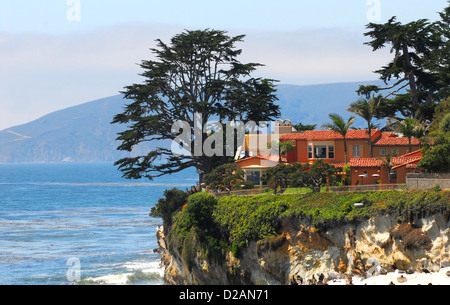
x=377, y=250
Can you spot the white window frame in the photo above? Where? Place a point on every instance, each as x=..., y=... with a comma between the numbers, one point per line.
x=312, y=149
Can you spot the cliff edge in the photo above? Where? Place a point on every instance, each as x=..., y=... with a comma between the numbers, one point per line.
x=304, y=252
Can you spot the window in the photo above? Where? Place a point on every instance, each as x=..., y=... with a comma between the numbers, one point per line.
x=254, y=176
x=394, y=174
x=356, y=151
x=320, y=152
x=310, y=150
x=394, y=152
x=330, y=152
x=383, y=152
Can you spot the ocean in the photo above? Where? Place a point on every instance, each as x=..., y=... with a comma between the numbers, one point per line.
x=72, y=223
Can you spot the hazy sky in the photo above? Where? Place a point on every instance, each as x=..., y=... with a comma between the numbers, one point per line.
x=59, y=53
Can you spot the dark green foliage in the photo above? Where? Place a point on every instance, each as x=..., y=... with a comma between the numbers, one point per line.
x=279, y=176
x=249, y=185
x=436, y=158
x=198, y=212
x=317, y=174
x=199, y=72
x=230, y=223
x=444, y=126
x=225, y=176
x=195, y=229
x=249, y=218
x=420, y=64
x=299, y=175
x=173, y=200
x=301, y=127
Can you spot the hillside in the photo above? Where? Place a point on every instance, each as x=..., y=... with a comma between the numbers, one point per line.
x=83, y=133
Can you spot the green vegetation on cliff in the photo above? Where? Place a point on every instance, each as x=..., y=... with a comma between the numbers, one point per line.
x=214, y=226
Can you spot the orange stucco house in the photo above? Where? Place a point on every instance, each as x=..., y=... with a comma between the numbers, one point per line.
x=326, y=145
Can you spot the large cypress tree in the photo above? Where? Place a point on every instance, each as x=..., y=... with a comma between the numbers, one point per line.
x=417, y=78
x=198, y=72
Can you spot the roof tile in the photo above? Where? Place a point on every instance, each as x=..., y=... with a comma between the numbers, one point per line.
x=393, y=141
x=321, y=135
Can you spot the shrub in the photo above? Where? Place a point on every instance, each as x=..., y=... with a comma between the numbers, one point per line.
x=249, y=185
x=225, y=176
x=173, y=200
x=436, y=188
x=195, y=229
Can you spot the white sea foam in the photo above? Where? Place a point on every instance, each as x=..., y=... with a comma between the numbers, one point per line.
x=146, y=267
x=434, y=278
x=146, y=272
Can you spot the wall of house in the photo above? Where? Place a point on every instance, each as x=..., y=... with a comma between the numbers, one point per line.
x=369, y=179
x=302, y=152
x=401, y=150
x=339, y=152
x=401, y=174
x=383, y=175
x=292, y=155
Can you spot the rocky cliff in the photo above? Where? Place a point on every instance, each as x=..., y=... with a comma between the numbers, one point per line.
x=303, y=253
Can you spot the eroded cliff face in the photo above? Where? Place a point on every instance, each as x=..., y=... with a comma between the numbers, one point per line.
x=301, y=250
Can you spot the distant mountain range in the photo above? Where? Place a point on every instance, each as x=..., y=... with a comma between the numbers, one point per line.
x=83, y=133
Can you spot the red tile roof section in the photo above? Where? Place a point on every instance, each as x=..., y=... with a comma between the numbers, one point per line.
x=365, y=162
x=409, y=164
x=417, y=153
x=374, y=162
x=388, y=134
x=396, y=142
x=324, y=135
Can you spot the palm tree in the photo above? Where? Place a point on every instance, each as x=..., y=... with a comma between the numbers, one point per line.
x=366, y=109
x=407, y=128
x=421, y=130
x=283, y=148
x=387, y=162
x=340, y=126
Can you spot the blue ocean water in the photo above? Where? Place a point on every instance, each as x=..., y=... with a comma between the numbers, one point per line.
x=79, y=223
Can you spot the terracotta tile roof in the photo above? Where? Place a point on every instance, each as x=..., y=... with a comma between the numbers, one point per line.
x=409, y=164
x=388, y=134
x=375, y=162
x=394, y=141
x=417, y=153
x=323, y=135
x=365, y=162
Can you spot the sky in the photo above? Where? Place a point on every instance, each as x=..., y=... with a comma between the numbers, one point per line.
x=59, y=53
